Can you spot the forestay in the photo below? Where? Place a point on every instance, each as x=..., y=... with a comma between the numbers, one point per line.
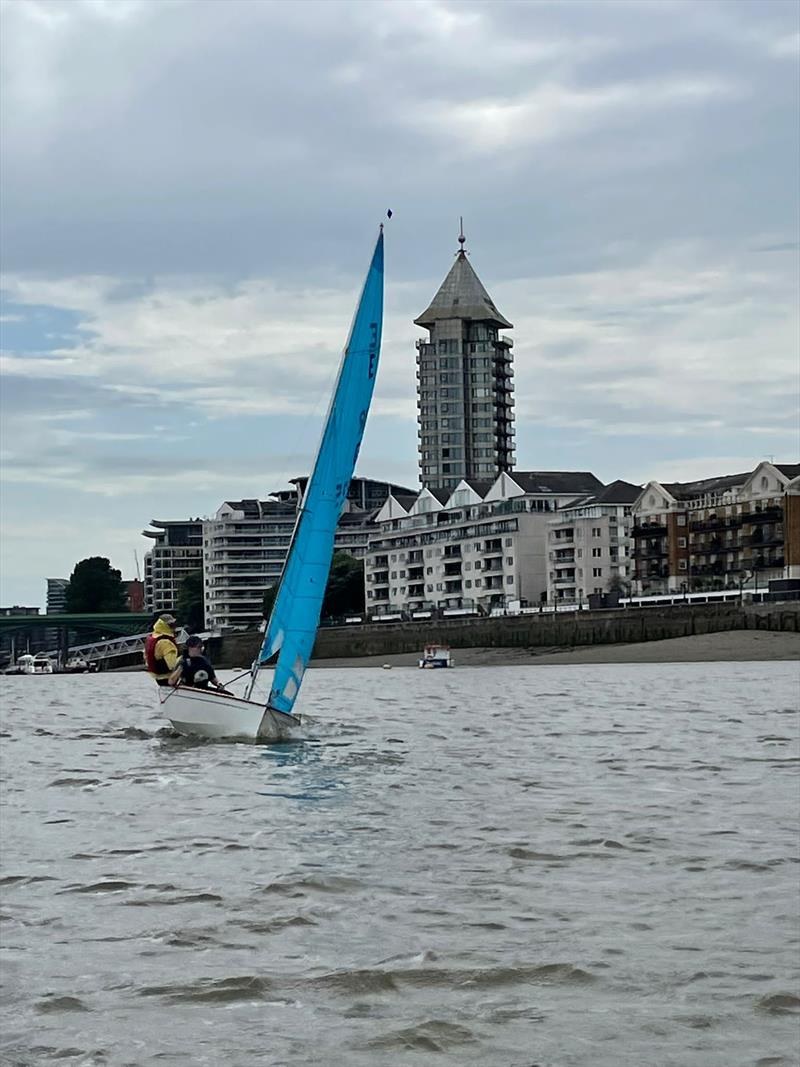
x=292, y=626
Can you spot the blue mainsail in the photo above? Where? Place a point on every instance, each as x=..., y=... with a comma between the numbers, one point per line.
x=292, y=626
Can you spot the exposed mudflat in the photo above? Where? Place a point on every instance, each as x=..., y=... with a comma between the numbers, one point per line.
x=735, y=646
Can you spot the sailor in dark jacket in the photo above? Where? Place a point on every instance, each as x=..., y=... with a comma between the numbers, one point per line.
x=195, y=669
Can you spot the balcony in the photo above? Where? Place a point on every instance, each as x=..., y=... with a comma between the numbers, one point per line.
x=649, y=529
x=453, y=587
x=493, y=547
x=417, y=574
x=452, y=569
x=565, y=578
x=452, y=552
x=413, y=557
x=773, y=514
x=651, y=551
x=562, y=559
x=716, y=522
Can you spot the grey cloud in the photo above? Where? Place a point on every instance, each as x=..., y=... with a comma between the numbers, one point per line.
x=257, y=138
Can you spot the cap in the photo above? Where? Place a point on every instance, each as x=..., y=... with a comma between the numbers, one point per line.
x=193, y=641
x=170, y=620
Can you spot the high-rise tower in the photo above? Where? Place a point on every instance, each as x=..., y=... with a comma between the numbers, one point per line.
x=465, y=395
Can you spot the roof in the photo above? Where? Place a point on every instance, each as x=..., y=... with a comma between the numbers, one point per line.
x=618, y=492
x=441, y=494
x=689, y=490
x=405, y=500
x=481, y=488
x=789, y=470
x=557, y=481
x=462, y=296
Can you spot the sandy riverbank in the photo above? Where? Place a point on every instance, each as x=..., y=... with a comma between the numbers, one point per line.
x=732, y=646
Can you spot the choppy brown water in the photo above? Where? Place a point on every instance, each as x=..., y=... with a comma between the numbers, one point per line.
x=553, y=866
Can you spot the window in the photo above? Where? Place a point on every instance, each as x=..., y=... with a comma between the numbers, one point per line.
x=510, y=579
x=402, y=574
x=394, y=559
x=478, y=581
x=429, y=570
x=510, y=561
x=439, y=586
x=579, y=553
x=681, y=542
x=467, y=566
x=596, y=531
x=580, y=572
x=682, y=566
x=468, y=583
x=509, y=542
x=597, y=572
x=681, y=520
x=765, y=483
x=394, y=573
x=597, y=552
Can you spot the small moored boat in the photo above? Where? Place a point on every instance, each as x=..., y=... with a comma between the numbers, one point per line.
x=436, y=656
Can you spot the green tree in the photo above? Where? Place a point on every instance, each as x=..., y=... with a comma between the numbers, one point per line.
x=189, y=607
x=617, y=584
x=95, y=586
x=269, y=599
x=344, y=594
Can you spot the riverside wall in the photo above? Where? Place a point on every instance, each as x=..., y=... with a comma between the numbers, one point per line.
x=567, y=630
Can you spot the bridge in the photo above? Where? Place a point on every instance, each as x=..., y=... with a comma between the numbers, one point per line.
x=105, y=627
x=116, y=622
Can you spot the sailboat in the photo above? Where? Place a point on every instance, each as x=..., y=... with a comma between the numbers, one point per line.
x=293, y=622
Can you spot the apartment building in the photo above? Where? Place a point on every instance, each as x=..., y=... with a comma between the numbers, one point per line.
x=246, y=542
x=740, y=530
x=57, y=595
x=480, y=545
x=244, y=546
x=589, y=545
x=177, y=552
x=465, y=393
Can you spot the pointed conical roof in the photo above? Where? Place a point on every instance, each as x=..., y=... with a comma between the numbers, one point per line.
x=462, y=296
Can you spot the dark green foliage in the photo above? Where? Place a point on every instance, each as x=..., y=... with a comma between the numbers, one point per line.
x=616, y=584
x=94, y=586
x=189, y=608
x=344, y=594
x=269, y=599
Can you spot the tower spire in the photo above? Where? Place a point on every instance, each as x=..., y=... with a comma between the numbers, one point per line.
x=461, y=237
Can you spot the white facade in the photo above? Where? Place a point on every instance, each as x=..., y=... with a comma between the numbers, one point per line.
x=589, y=545
x=244, y=546
x=177, y=552
x=468, y=549
x=246, y=542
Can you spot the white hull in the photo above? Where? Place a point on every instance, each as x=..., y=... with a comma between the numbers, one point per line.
x=209, y=713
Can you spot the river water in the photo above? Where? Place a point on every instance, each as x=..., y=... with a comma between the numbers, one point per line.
x=584, y=866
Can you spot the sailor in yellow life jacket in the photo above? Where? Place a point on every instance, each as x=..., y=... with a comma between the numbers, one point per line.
x=161, y=654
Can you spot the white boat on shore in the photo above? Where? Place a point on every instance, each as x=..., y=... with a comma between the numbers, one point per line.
x=28, y=664
x=292, y=627
x=435, y=656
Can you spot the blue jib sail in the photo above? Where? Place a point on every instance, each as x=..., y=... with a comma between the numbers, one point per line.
x=295, y=614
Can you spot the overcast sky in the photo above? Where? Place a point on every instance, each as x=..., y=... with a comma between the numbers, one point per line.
x=191, y=190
